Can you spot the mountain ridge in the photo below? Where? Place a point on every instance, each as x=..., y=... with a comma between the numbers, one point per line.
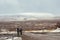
x=23, y=17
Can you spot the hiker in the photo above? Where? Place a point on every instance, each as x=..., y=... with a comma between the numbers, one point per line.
x=19, y=32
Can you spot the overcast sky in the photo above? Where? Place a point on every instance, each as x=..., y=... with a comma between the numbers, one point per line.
x=23, y=6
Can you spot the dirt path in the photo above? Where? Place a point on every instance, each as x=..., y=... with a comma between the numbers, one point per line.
x=49, y=36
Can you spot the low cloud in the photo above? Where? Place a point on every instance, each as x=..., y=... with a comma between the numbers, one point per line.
x=38, y=14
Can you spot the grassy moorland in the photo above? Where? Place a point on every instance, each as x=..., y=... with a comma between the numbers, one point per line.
x=29, y=25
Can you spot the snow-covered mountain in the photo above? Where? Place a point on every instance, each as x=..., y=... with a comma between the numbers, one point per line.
x=27, y=16
x=16, y=18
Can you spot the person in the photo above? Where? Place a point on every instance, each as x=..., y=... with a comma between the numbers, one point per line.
x=19, y=32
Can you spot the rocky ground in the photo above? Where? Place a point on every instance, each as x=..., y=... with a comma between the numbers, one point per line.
x=9, y=37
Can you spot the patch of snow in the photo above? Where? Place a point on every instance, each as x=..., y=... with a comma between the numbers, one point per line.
x=57, y=30
x=10, y=38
